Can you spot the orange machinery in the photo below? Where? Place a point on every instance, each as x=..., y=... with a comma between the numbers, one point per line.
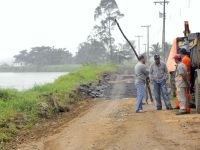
x=191, y=42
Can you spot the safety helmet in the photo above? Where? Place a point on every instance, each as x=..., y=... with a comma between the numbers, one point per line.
x=177, y=57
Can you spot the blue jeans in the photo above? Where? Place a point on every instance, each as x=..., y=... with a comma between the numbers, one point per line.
x=140, y=94
x=161, y=89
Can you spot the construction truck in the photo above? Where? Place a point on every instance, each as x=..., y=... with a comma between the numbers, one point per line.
x=191, y=42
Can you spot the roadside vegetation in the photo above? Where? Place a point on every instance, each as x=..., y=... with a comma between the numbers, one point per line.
x=24, y=109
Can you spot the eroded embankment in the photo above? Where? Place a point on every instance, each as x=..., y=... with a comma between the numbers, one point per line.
x=22, y=111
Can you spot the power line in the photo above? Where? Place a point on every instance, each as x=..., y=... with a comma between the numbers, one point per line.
x=164, y=2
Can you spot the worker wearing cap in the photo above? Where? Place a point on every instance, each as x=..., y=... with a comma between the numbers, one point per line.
x=181, y=84
x=186, y=61
x=158, y=75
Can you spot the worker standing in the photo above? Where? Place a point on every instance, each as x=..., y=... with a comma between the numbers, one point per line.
x=181, y=84
x=186, y=61
x=141, y=75
x=158, y=75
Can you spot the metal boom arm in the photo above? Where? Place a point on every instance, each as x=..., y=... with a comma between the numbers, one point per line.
x=126, y=39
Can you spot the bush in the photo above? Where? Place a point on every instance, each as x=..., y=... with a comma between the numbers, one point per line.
x=7, y=94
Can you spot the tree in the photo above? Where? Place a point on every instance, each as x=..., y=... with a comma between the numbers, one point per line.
x=91, y=52
x=21, y=57
x=155, y=49
x=128, y=49
x=44, y=55
x=106, y=13
x=39, y=55
x=123, y=52
x=126, y=52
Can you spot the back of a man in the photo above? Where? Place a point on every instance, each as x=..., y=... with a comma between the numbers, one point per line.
x=141, y=74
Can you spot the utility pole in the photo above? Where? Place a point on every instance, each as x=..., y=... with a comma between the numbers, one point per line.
x=188, y=3
x=138, y=36
x=145, y=50
x=164, y=2
x=147, y=26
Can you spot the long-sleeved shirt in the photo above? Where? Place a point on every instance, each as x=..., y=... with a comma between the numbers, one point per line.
x=180, y=72
x=158, y=73
x=141, y=73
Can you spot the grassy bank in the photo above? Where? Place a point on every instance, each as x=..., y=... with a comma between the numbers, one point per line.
x=23, y=109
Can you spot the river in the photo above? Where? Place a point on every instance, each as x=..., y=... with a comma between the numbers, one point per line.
x=22, y=81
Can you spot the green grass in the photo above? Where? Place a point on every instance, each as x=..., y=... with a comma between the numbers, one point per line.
x=14, y=104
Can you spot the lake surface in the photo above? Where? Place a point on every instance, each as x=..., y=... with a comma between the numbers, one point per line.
x=22, y=81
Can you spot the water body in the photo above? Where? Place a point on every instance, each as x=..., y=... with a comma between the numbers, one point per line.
x=22, y=81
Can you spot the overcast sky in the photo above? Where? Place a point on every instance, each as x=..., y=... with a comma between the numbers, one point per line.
x=66, y=23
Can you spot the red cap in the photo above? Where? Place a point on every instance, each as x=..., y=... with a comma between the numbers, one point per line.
x=177, y=56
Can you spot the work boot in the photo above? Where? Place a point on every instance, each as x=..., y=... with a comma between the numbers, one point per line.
x=159, y=108
x=177, y=107
x=138, y=111
x=192, y=105
x=169, y=108
x=181, y=112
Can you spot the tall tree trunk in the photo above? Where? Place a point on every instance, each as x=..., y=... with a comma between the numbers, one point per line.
x=110, y=38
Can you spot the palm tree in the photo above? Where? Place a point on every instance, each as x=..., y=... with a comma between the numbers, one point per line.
x=155, y=49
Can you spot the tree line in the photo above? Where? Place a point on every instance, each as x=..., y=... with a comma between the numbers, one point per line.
x=44, y=55
x=99, y=47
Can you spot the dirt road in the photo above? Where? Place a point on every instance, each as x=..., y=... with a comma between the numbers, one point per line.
x=114, y=125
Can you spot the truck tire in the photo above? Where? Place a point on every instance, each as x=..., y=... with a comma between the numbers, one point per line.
x=197, y=95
